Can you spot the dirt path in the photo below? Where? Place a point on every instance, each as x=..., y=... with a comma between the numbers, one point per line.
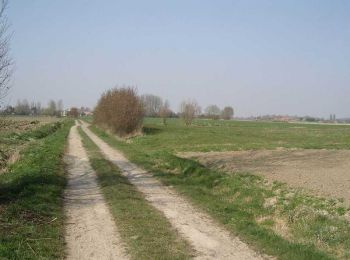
x=90, y=232
x=207, y=238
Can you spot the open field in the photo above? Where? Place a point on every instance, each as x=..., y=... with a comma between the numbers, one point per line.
x=272, y=217
x=324, y=172
x=269, y=217
x=217, y=135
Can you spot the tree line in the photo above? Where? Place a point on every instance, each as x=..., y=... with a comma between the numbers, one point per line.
x=26, y=108
x=155, y=106
x=121, y=110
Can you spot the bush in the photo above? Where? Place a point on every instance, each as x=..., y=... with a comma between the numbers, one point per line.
x=189, y=110
x=120, y=111
x=227, y=113
x=73, y=112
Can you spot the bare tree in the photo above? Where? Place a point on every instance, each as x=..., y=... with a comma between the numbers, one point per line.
x=35, y=108
x=22, y=107
x=165, y=111
x=227, y=113
x=51, y=108
x=6, y=63
x=189, y=110
x=152, y=104
x=213, y=112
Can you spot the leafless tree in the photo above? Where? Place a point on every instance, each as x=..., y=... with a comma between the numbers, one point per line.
x=213, y=111
x=189, y=110
x=165, y=111
x=152, y=104
x=35, y=108
x=6, y=63
x=227, y=113
x=22, y=107
x=51, y=108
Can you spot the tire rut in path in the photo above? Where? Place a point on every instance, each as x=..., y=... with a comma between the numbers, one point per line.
x=209, y=240
x=90, y=230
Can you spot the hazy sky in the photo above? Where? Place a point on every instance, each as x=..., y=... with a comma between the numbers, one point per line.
x=261, y=57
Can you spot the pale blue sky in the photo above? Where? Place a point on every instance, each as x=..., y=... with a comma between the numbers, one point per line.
x=261, y=57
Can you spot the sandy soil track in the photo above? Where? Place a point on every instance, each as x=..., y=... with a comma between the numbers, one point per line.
x=90, y=230
x=207, y=237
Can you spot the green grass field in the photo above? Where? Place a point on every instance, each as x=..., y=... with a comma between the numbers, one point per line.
x=31, y=201
x=315, y=228
x=218, y=135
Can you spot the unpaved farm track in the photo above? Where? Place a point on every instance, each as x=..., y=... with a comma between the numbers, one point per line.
x=90, y=230
x=208, y=239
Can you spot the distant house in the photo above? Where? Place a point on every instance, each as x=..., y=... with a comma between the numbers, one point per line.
x=87, y=113
x=64, y=113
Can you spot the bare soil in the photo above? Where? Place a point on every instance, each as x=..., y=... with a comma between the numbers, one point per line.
x=208, y=238
x=324, y=172
x=90, y=230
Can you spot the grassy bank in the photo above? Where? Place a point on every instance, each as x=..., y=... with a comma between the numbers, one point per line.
x=31, y=202
x=273, y=218
x=147, y=233
x=16, y=134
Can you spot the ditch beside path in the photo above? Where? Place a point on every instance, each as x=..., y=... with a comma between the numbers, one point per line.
x=207, y=237
x=90, y=230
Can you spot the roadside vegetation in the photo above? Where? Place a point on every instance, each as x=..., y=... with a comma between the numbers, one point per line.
x=17, y=132
x=145, y=230
x=31, y=201
x=272, y=217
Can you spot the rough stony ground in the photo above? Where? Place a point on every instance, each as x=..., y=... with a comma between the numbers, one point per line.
x=90, y=230
x=208, y=239
x=323, y=172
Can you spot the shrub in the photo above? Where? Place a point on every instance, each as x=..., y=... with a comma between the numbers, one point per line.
x=227, y=113
x=73, y=112
x=189, y=110
x=119, y=110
